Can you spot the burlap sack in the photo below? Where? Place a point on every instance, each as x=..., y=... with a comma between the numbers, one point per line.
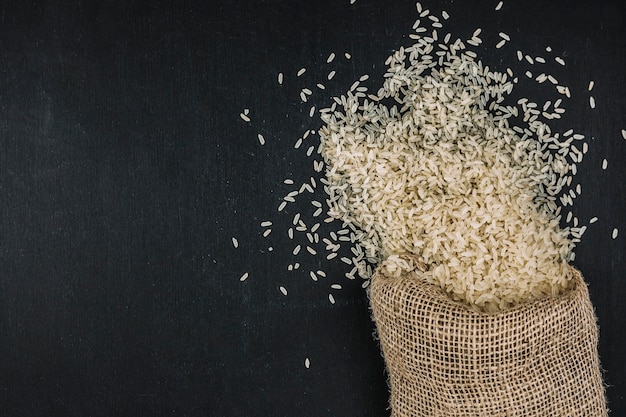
x=444, y=359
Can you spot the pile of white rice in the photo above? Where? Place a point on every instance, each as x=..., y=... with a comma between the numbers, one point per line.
x=430, y=169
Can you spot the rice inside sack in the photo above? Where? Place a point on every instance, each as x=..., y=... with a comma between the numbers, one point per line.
x=440, y=176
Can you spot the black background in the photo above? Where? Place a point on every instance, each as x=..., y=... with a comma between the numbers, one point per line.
x=125, y=170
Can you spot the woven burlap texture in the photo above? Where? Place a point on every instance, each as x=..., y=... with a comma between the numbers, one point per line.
x=539, y=358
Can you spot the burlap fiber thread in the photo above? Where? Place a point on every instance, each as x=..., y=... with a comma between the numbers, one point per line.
x=444, y=359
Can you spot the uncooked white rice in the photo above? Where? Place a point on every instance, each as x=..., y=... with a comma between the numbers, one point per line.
x=624, y=133
x=235, y=242
x=614, y=234
x=283, y=290
x=244, y=277
x=499, y=5
x=301, y=71
x=440, y=180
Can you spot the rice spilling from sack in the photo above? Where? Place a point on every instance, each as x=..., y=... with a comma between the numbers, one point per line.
x=430, y=170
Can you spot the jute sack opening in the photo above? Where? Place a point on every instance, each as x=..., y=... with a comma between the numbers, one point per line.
x=539, y=358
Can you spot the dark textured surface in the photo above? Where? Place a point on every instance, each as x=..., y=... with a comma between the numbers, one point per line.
x=125, y=170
